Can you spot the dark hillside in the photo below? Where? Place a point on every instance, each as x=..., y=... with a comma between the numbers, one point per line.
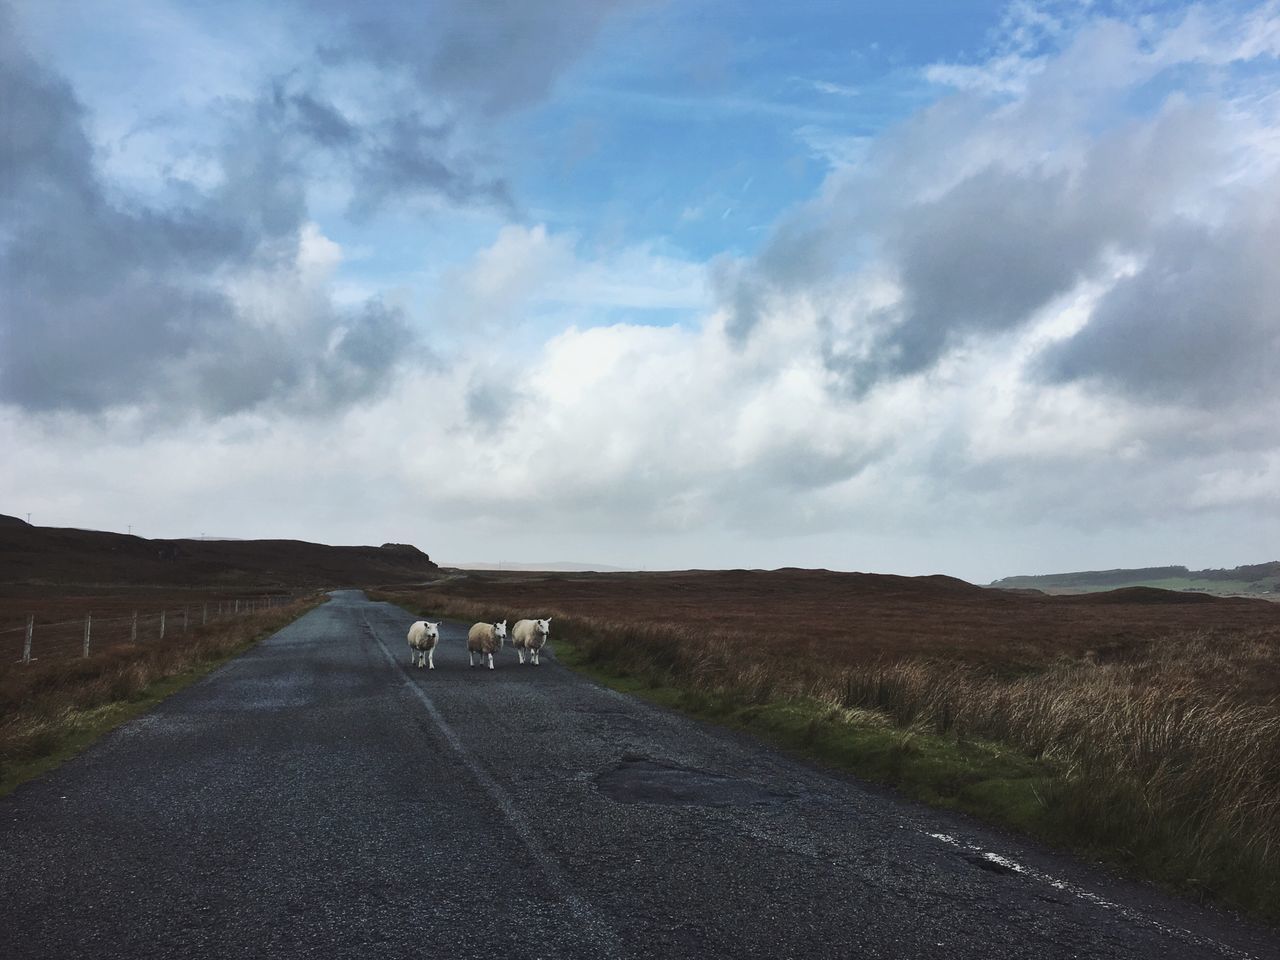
x=33, y=558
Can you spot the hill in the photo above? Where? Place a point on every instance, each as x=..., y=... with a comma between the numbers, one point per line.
x=35, y=558
x=1257, y=579
x=551, y=566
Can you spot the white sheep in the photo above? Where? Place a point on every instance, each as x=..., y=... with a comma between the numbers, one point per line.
x=485, y=639
x=423, y=638
x=530, y=635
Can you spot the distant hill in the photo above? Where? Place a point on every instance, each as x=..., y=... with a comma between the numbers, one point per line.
x=1257, y=579
x=552, y=566
x=37, y=557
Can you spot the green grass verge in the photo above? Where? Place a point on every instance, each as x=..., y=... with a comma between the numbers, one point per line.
x=973, y=776
x=987, y=780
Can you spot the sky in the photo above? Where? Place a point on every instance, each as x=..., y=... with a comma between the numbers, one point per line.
x=975, y=288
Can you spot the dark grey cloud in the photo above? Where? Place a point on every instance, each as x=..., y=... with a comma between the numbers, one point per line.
x=106, y=305
x=410, y=156
x=983, y=254
x=399, y=156
x=317, y=120
x=490, y=402
x=109, y=304
x=492, y=57
x=1199, y=323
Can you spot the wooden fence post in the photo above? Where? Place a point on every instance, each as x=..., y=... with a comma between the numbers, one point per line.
x=26, y=646
x=237, y=606
x=88, y=622
x=204, y=615
x=184, y=619
x=161, y=624
x=133, y=633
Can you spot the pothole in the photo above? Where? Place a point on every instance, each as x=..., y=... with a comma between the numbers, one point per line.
x=642, y=780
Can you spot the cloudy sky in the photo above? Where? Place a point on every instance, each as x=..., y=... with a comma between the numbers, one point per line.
x=979, y=288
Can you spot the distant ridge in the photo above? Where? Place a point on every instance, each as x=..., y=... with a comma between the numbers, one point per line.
x=48, y=557
x=1256, y=579
x=555, y=566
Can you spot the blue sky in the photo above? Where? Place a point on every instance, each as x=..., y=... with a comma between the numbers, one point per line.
x=976, y=288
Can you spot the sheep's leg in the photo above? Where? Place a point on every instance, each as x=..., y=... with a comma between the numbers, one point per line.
x=491, y=661
x=431, y=659
x=536, y=661
x=471, y=658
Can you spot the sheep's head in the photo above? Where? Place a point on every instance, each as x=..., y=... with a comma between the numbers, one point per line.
x=500, y=629
x=544, y=627
x=433, y=630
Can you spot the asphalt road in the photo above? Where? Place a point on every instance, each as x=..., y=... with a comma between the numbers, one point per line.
x=317, y=797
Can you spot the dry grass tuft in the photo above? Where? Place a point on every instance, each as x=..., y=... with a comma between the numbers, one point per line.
x=47, y=704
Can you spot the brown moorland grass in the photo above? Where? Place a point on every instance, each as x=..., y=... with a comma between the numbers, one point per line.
x=51, y=708
x=1158, y=712
x=59, y=613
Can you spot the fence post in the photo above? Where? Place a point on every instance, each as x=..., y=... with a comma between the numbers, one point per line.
x=237, y=606
x=204, y=615
x=184, y=619
x=133, y=634
x=88, y=622
x=26, y=646
x=161, y=624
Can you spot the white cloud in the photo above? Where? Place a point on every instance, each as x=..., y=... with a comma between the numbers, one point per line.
x=529, y=272
x=874, y=388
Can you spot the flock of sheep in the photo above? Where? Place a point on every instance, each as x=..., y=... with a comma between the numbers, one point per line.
x=486, y=639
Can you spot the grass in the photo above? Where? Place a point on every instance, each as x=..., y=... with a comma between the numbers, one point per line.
x=1146, y=734
x=977, y=777
x=52, y=710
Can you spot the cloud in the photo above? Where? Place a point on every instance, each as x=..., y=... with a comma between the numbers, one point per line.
x=1198, y=323
x=1027, y=306
x=530, y=274
x=1038, y=311
x=118, y=298
x=985, y=209
x=493, y=57
x=409, y=156
x=111, y=305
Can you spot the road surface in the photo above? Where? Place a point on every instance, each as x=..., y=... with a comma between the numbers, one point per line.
x=317, y=797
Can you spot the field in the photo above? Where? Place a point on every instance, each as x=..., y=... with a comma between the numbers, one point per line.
x=1139, y=725
x=57, y=704
x=163, y=615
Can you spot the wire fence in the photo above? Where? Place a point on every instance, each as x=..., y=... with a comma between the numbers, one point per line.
x=42, y=637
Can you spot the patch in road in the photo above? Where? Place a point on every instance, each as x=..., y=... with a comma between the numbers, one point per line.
x=643, y=780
